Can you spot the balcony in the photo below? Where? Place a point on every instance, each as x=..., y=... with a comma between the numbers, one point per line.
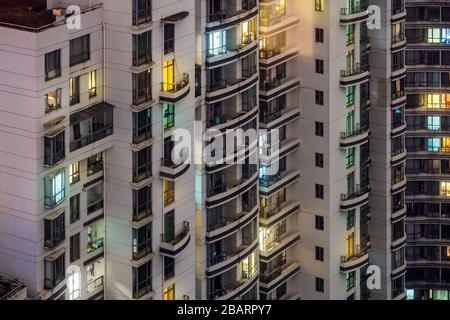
x=231, y=224
x=272, y=183
x=271, y=57
x=233, y=291
x=226, y=192
x=175, y=91
x=229, y=259
x=279, y=118
x=221, y=18
x=354, y=14
x=172, y=171
x=273, y=247
x=355, y=199
x=225, y=88
x=355, y=75
x=354, y=138
x=172, y=245
x=274, y=87
x=90, y=125
x=356, y=260
x=277, y=24
x=273, y=214
x=270, y=280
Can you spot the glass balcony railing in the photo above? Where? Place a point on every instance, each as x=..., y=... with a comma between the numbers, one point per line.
x=178, y=84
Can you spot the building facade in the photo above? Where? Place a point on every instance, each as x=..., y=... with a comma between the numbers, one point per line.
x=97, y=202
x=427, y=85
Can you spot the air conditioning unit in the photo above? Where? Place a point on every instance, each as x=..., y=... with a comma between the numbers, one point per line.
x=59, y=12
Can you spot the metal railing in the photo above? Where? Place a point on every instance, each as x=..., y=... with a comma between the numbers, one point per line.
x=355, y=70
x=358, y=192
x=358, y=130
x=174, y=239
x=178, y=84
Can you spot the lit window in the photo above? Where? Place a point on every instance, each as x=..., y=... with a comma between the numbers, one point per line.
x=434, y=35
x=53, y=100
x=54, y=189
x=433, y=144
x=74, y=172
x=92, y=84
x=445, y=145
x=433, y=101
x=73, y=286
x=169, y=115
x=249, y=31
x=168, y=75
x=249, y=266
x=433, y=123
x=320, y=5
x=169, y=292
x=169, y=192
x=95, y=235
x=217, y=43
x=445, y=188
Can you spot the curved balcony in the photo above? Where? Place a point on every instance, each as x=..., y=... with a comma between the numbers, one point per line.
x=398, y=183
x=225, y=89
x=273, y=183
x=401, y=242
x=273, y=215
x=268, y=58
x=176, y=90
x=172, y=171
x=356, y=75
x=398, y=156
x=355, y=138
x=224, y=55
x=358, y=259
x=239, y=288
x=172, y=245
x=354, y=14
x=355, y=199
x=277, y=24
x=232, y=224
x=279, y=118
x=222, y=20
x=224, y=122
x=228, y=260
x=269, y=250
x=275, y=87
x=269, y=281
x=229, y=192
x=398, y=213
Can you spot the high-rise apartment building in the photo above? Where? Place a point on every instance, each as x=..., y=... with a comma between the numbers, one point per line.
x=227, y=191
x=97, y=202
x=427, y=143
x=87, y=178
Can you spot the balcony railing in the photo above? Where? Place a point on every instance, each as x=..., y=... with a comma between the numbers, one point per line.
x=174, y=239
x=268, y=277
x=354, y=132
x=271, y=84
x=354, y=9
x=353, y=71
x=95, y=284
x=269, y=53
x=94, y=245
x=178, y=84
x=357, y=253
x=267, y=181
x=358, y=192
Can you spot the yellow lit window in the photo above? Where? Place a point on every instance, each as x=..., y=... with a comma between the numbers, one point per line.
x=320, y=5
x=249, y=266
x=445, y=145
x=433, y=101
x=74, y=172
x=169, y=192
x=169, y=292
x=248, y=31
x=92, y=84
x=434, y=35
x=168, y=75
x=445, y=188
x=350, y=245
x=448, y=251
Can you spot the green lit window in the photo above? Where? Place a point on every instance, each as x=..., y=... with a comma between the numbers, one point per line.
x=350, y=95
x=350, y=157
x=169, y=115
x=350, y=280
x=350, y=34
x=350, y=218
